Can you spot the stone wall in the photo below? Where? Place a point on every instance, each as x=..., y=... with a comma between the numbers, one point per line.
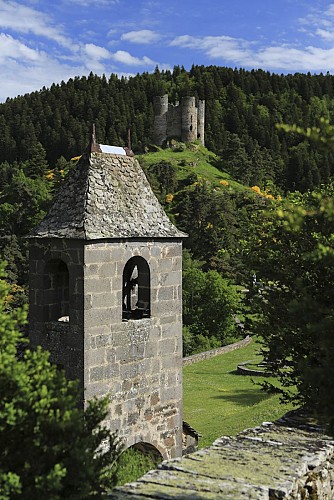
x=174, y=120
x=201, y=121
x=137, y=362
x=184, y=121
x=160, y=105
x=189, y=119
x=64, y=340
x=215, y=352
x=288, y=459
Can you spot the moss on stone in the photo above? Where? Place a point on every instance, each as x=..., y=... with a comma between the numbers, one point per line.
x=270, y=461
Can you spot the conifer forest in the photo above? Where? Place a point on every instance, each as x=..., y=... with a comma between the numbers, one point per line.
x=259, y=214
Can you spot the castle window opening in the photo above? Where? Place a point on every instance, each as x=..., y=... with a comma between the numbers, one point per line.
x=136, y=289
x=56, y=291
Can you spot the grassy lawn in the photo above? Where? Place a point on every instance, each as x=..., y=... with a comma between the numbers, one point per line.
x=199, y=160
x=219, y=402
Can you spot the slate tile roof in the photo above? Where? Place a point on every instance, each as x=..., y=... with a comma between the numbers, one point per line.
x=105, y=196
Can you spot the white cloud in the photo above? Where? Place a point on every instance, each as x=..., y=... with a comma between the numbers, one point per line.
x=141, y=36
x=320, y=24
x=92, y=56
x=219, y=47
x=20, y=75
x=124, y=57
x=327, y=35
x=15, y=50
x=247, y=54
x=330, y=10
x=96, y=52
x=306, y=59
x=22, y=19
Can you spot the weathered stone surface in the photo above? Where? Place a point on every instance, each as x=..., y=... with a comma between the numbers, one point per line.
x=216, y=352
x=282, y=460
x=106, y=196
x=105, y=215
x=184, y=121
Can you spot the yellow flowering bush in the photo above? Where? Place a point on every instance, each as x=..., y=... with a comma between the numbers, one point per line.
x=265, y=193
x=256, y=189
x=169, y=198
x=50, y=175
x=223, y=182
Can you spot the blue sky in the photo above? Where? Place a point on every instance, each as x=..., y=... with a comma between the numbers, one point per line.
x=45, y=41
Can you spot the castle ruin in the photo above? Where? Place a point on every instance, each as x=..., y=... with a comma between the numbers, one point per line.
x=105, y=297
x=183, y=121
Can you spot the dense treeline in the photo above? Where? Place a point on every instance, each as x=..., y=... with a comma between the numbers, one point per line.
x=242, y=110
x=256, y=242
x=43, y=130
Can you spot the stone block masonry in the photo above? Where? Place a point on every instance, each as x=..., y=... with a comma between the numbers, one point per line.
x=189, y=360
x=64, y=340
x=105, y=285
x=135, y=362
x=184, y=121
x=137, y=352
x=289, y=459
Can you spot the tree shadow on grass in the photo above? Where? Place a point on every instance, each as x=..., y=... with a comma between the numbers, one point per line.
x=244, y=398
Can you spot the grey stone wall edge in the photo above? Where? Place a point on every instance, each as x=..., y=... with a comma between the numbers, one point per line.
x=289, y=459
x=216, y=352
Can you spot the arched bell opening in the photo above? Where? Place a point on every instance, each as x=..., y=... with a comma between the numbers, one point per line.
x=136, y=289
x=56, y=291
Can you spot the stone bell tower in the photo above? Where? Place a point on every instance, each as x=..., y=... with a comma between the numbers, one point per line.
x=105, y=296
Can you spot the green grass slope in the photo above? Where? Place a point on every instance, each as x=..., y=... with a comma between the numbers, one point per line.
x=189, y=159
x=217, y=401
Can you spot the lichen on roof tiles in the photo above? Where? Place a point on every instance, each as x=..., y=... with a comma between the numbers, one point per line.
x=106, y=196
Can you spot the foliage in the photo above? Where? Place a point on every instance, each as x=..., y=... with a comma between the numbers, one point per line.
x=163, y=175
x=48, y=446
x=219, y=402
x=43, y=130
x=133, y=464
x=210, y=304
x=294, y=260
x=242, y=110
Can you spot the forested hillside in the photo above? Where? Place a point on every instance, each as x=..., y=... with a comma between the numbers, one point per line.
x=242, y=110
x=218, y=194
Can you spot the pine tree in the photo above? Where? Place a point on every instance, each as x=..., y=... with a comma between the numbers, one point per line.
x=49, y=448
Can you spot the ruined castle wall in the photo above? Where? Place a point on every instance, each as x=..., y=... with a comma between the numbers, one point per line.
x=201, y=121
x=184, y=121
x=174, y=121
x=137, y=362
x=188, y=119
x=160, y=105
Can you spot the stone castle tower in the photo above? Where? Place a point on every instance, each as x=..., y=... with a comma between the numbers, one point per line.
x=105, y=296
x=183, y=121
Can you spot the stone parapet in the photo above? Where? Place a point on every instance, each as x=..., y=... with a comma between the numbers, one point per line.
x=189, y=360
x=288, y=459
